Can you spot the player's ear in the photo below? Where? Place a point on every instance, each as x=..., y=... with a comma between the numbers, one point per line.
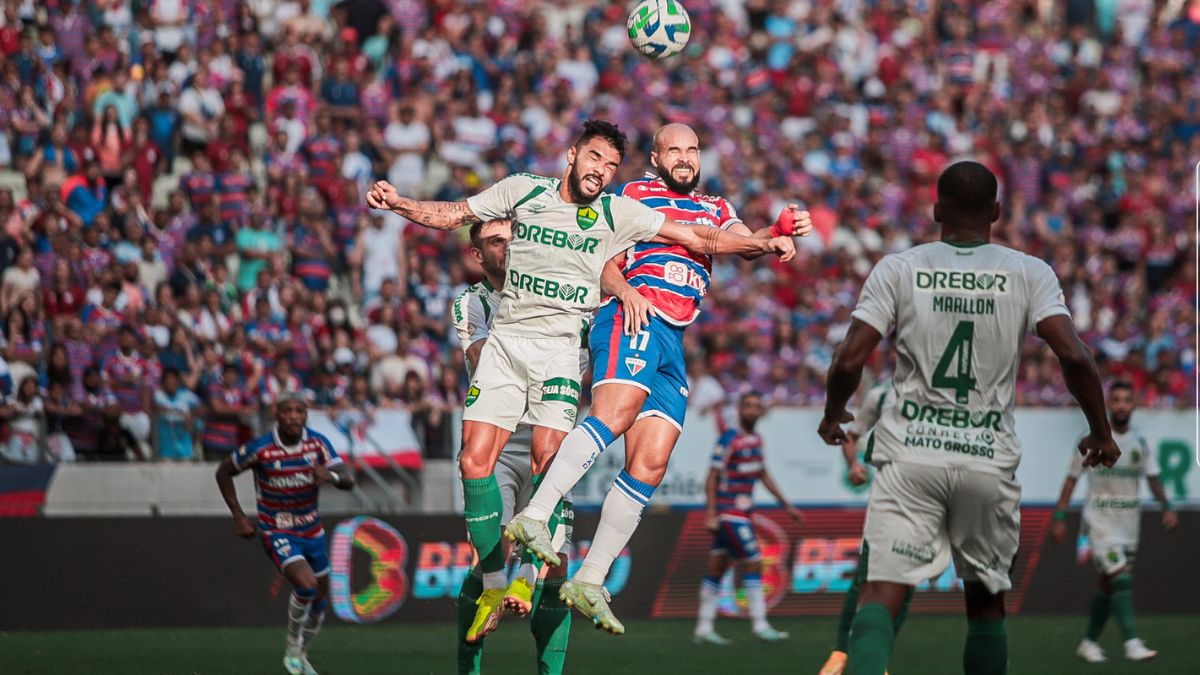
x=937, y=212
x=654, y=158
x=571, y=155
x=476, y=255
x=995, y=212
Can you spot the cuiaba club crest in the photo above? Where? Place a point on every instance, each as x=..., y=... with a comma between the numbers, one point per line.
x=634, y=365
x=586, y=217
x=1136, y=456
x=472, y=396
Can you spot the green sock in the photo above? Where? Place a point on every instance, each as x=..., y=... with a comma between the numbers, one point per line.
x=841, y=641
x=1122, y=605
x=482, y=511
x=903, y=613
x=551, y=626
x=986, y=649
x=469, y=655
x=871, y=639
x=1098, y=615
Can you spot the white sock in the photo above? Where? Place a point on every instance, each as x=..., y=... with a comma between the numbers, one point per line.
x=757, y=603
x=709, y=591
x=297, y=617
x=619, y=518
x=575, y=456
x=497, y=579
x=312, y=627
x=528, y=572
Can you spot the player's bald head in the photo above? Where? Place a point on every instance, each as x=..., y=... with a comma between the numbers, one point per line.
x=966, y=196
x=674, y=133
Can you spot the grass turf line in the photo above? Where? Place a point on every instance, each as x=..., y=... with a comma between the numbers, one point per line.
x=927, y=646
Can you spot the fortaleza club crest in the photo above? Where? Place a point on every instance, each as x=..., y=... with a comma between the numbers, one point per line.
x=586, y=217
x=634, y=365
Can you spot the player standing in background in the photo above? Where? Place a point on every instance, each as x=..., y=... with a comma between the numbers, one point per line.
x=946, y=449
x=639, y=378
x=550, y=622
x=1112, y=519
x=869, y=411
x=565, y=230
x=737, y=465
x=290, y=464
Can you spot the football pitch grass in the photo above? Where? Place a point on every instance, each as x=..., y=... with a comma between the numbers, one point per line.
x=927, y=646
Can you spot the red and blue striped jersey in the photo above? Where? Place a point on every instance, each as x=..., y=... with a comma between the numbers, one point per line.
x=673, y=279
x=284, y=482
x=738, y=460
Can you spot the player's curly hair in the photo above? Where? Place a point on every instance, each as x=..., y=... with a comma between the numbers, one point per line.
x=603, y=129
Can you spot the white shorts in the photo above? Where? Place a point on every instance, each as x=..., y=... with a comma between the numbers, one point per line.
x=920, y=516
x=534, y=378
x=1111, y=557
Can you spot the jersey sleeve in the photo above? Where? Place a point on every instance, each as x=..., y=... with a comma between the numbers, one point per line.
x=470, y=321
x=1045, y=294
x=245, y=457
x=728, y=215
x=632, y=222
x=1152, y=468
x=877, y=303
x=721, y=452
x=329, y=456
x=1075, y=466
x=499, y=200
x=870, y=409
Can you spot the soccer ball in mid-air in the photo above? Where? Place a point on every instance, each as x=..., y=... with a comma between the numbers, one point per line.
x=659, y=28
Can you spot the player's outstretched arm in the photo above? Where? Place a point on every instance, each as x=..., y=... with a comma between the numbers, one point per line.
x=844, y=375
x=1059, y=529
x=637, y=308
x=773, y=487
x=705, y=240
x=1169, y=519
x=437, y=215
x=792, y=222
x=1083, y=381
x=226, y=470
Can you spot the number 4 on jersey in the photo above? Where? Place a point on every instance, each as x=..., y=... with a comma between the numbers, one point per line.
x=960, y=352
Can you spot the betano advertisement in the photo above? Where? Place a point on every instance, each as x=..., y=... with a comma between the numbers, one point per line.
x=811, y=472
x=84, y=573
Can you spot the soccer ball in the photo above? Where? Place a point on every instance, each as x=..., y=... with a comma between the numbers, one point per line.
x=659, y=28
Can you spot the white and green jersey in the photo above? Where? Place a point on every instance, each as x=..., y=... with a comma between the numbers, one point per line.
x=472, y=313
x=960, y=314
x=871, y=409
x=1112, y=512
x=558, y=251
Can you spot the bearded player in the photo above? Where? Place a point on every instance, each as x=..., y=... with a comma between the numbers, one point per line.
x=1112, y=519
x=947, y=450
x=566, y=229
x=527, y=594
x=290, y=464
x=639, y=379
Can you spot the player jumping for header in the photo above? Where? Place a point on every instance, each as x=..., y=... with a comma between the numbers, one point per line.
x=946, y=449
x=1111, y=518
x=289, y=465
x=550, y=619
x=565, y=230
x=639, y=376
x=737, y=465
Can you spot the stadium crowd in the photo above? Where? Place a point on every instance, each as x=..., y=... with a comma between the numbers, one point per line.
x=184, y=233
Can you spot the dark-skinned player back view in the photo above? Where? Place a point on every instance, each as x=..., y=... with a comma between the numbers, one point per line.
x=947, y=450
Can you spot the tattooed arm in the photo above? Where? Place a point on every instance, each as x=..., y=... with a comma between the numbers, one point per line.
x=437, y=215
x=705, y=240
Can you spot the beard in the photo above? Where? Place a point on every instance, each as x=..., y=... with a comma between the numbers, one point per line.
x=675, y=185
x=495, y=268
x=579, y=194
x=1120, y=421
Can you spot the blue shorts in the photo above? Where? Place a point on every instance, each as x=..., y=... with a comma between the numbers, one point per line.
x=285, y=549
x=736, y=539
x=651, y=360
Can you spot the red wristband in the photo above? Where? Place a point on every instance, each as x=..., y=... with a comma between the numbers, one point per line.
x=784, y=225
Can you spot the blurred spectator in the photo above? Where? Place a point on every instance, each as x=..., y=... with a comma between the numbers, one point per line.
x=175, y=408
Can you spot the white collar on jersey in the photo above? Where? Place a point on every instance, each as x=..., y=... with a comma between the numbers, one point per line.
x=279, y=441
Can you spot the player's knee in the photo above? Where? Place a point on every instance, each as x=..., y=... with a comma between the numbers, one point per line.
x=305, y=588
x=650, y=468
x=614, y=406
x=474, y=464
x=982, y=603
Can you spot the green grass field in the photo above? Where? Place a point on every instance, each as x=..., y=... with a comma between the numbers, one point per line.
x=928, y=646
